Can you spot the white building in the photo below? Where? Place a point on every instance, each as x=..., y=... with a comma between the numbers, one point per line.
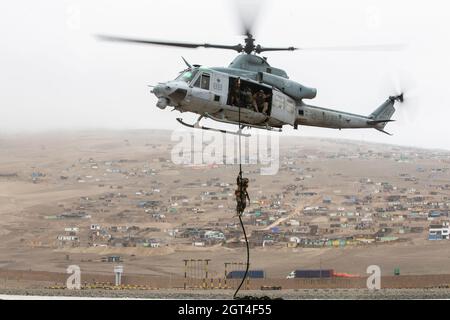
x=154, y=245
x=439, y=232
x=67, y=238
x=294, y=240
x=216, y=235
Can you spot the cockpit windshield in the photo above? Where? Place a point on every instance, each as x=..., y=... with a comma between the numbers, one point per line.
x=187, y=76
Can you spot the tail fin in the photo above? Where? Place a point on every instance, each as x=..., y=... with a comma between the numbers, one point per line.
x=383, y=114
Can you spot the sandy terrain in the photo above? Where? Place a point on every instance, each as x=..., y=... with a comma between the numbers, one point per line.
x=76, y=169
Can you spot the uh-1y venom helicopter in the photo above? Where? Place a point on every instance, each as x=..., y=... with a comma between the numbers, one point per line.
x=254, y=94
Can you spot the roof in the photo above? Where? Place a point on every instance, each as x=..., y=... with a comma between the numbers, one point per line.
x=437, y=226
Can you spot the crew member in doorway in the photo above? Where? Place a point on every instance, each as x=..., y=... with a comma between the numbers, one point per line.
x=260, y=103
x=266, y=104
x=236, y=93
x=247, y=98
x=241, y=194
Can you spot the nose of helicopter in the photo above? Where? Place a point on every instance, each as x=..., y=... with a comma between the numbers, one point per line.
x=170, y=93
x=161, y=90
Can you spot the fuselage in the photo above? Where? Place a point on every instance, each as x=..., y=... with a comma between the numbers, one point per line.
x=218, y=92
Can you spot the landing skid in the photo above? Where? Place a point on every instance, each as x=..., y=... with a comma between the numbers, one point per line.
x=198, y=126
x=266, y=127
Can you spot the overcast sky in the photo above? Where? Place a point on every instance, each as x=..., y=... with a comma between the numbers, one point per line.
x=55, y=75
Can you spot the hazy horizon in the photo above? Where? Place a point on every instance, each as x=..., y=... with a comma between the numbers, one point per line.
x=169, y=131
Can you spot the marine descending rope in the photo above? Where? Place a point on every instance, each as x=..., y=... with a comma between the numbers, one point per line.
x=240, y=208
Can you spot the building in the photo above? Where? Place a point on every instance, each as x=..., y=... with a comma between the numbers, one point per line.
x=326, y=200
x=439, y=232
x=68, y=238
x=72, y=231
x=214, y=235
x=112, y=259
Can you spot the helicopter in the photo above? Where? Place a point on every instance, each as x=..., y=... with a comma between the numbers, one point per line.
x=251, y=93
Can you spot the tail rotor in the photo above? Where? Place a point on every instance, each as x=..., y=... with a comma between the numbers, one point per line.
x=404, y=90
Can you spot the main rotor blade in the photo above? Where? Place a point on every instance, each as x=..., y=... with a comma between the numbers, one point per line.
x=237, y=48
x=376, y=47
x=260, y=49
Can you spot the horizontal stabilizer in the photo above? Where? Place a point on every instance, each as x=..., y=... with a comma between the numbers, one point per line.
x=381, y=130
x=373, y=122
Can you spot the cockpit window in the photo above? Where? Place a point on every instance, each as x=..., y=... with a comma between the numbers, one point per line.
x=198, y=82
x=203, y=81
x=187, y=76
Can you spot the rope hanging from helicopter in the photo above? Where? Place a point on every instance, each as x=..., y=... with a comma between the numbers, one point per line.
x=241, y=199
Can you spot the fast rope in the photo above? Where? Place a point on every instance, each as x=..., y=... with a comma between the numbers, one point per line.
x=241, y=199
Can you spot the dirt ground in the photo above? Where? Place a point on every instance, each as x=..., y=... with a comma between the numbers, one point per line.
x=28, y=237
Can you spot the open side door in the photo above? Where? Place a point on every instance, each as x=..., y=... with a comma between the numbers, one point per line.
x=283, y=108
x=219, y=87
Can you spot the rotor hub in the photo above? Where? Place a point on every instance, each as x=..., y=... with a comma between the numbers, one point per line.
x=249, y=44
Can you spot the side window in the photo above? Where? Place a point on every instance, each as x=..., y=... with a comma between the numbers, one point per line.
x=205, y=81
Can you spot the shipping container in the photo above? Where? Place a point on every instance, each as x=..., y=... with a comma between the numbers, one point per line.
x=252, y=274
x=316, y=273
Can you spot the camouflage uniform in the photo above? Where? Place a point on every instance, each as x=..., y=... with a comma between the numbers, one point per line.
x=241, y=195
